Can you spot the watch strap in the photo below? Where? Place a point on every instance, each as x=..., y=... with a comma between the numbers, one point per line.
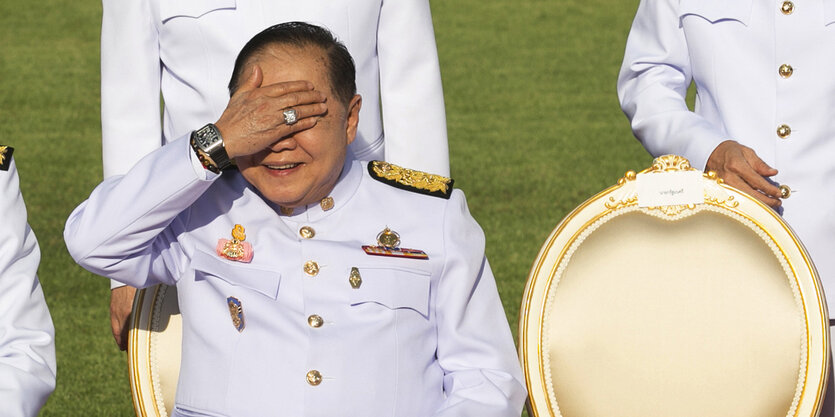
x=203, y=158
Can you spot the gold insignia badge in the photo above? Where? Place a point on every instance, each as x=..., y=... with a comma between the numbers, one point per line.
x=388, y=238
x=355, y=279
x=388, y=244
x=411, y=180
x=236, y=311
x=235, y=249
x=5, y=157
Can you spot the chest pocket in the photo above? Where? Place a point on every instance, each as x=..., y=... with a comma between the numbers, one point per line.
x=191, y=8
x=716, y=10
x=210, y=267
x=393, y=288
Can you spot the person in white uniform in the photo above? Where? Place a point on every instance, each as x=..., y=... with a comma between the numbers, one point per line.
x=184, y=51
x=764, y=118
x=310, y=283
x=27, y=338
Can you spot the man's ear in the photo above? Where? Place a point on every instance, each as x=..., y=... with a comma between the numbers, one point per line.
x=353, y=118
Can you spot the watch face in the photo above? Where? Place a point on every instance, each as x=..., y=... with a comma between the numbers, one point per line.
x=205, y=137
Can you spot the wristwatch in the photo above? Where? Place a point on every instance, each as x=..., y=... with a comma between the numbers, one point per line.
x=208, y=144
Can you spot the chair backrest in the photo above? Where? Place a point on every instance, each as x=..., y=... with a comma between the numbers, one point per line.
x=672, y=294
x=154, y=347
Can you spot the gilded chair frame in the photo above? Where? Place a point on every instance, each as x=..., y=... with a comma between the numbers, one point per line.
x=154, y=350
x=718, y=197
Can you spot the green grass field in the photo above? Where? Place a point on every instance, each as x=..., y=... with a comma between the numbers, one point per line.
x=534, y=127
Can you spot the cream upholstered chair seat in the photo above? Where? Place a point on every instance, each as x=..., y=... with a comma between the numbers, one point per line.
x=672, y=294
x=154, y=347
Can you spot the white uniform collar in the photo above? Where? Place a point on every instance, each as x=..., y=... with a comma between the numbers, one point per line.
x=345, y=188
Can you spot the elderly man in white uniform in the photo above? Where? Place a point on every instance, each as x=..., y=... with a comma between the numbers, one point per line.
x=27, y=338
x=185, y=50
x=297, y=296
x=765, y=105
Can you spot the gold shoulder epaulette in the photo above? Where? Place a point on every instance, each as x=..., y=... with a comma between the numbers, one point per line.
x=5, y=157
x=410, y=180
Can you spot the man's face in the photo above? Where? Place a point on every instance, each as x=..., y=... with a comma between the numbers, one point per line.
x=302, y=168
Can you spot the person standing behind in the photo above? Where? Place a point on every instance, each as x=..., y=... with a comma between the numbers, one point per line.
x=185, y=51
x=764, y=119
x=27, y=338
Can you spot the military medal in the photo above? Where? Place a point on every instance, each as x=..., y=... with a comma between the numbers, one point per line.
x=388, y=244
x=235, y=249
x=236, y=311
x=388, y=239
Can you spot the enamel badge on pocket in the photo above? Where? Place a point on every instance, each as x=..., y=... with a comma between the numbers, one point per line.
x=236, y=311
x=235, y=249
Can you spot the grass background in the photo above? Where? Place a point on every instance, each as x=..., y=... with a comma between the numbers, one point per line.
x=534, y=126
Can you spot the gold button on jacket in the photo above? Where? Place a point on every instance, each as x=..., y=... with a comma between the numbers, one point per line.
x=786, y=70
x=307, y=232
x=314, y=377
x=785, y=191
x=311, y=268
x=315, y=321
x=787, y=7
x=784, y=131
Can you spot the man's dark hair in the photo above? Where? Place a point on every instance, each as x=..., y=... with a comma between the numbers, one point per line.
x=341, y=71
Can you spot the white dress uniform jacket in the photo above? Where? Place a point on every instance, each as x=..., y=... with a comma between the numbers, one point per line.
x=27, y=338
x=403, y=337
x=186, y=49
x=764, y=73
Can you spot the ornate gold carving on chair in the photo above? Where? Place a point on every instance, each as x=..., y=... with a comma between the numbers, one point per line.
x=708, y=308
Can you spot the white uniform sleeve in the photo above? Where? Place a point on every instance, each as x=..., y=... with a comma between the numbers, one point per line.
x=128, y=228
x=27, y=346
x=130, y=84
x=412, y=97
x=652, y=86
x=475, y=347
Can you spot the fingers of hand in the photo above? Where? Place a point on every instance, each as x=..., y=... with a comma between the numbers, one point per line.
x=290, y=87
x=252, y=81
x=765, y=187
x=742, y=168
x=120, y=335
x=740, y=184
x=309, y=110
x=720, y=156
x=282, y=131
x=282, y=134
x=758, y=164
x=254, y=120
x=121, y=304
x=269, y=117
x=269, y=111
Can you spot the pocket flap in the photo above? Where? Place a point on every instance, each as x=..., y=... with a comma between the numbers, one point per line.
x=191, y=8
x=394, y=288
x=238, y=274
x=717, y=10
